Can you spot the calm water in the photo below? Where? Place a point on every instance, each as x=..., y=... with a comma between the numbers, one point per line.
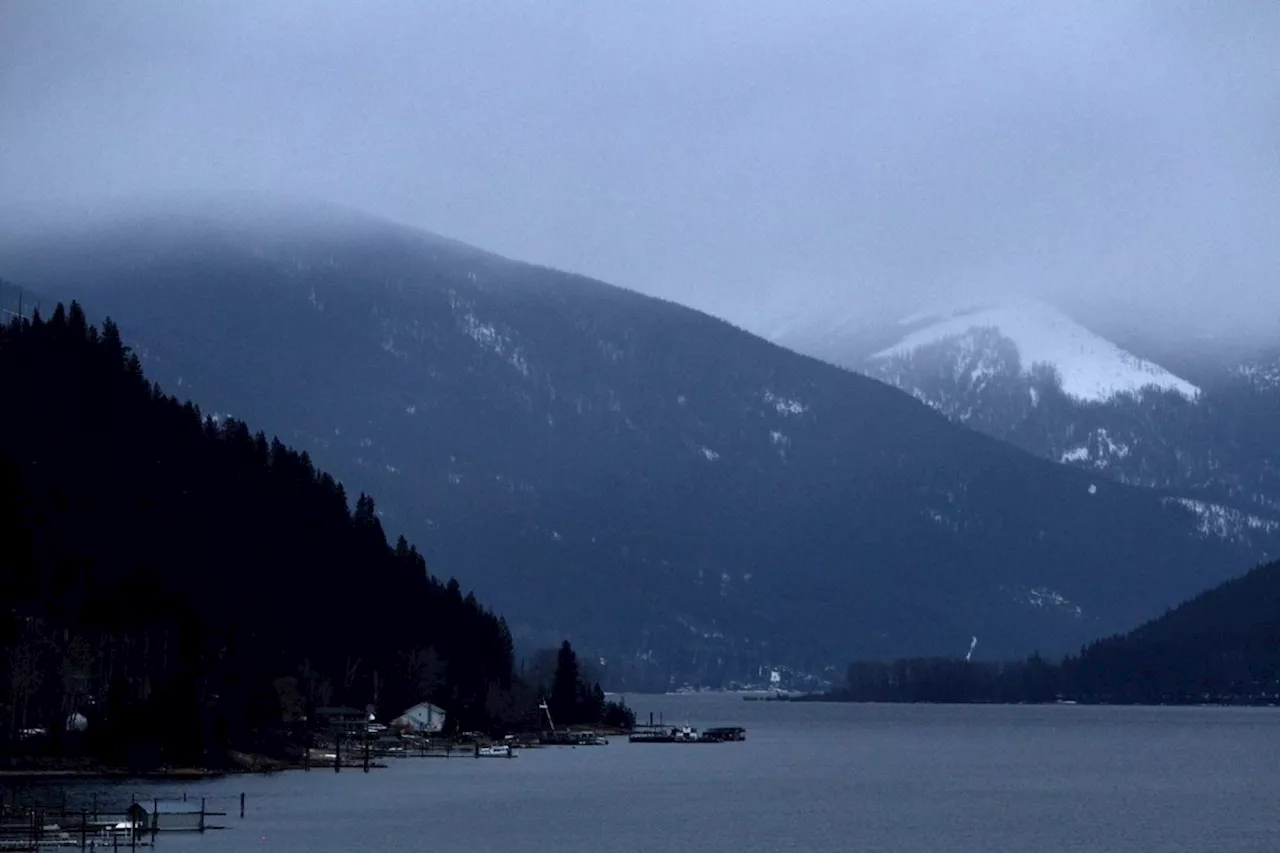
x=809, y=777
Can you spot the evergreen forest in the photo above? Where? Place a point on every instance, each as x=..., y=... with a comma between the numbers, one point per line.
x=175, y=588
x=1221, y=647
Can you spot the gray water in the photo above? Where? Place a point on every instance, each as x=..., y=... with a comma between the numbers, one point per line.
x=809, y=777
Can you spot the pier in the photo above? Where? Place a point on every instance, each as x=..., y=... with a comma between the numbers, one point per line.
x=659, y=733
x=37, y=824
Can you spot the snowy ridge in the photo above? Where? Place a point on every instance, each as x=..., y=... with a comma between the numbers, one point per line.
x=1224, y=522
x=1090, y=368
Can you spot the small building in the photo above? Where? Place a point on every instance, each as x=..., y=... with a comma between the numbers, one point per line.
x=340, y=720
x=423, y=718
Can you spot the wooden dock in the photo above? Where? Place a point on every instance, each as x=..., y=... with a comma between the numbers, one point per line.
x=41, y=825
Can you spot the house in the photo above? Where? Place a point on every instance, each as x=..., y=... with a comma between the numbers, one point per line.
x=423, y=718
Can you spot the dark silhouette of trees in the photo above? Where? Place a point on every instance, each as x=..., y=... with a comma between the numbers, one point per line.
x=187, y=585
x=566, y=687
x=575, y=701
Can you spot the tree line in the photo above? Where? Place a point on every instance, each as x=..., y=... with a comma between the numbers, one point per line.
x=173, y=585
x=1221, y=647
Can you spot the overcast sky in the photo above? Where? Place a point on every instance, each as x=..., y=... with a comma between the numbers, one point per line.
x=729, y=154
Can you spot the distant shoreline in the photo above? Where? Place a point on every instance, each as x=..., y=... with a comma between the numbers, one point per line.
x=118, y=773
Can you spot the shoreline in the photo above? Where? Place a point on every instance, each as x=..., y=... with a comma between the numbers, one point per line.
x=243, y=764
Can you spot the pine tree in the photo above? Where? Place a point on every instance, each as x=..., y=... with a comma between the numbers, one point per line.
x=564, y=687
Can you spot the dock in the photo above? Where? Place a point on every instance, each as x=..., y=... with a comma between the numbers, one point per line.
x=37, y=825
x=660, y=733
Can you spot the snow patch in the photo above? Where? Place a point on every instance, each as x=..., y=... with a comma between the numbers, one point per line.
x=1107, y=449
x=489, y=338
x=1224, y=522
x=485, y=334
x=1043, y=597
x=784, y=405
x=1076, y=454
x=1262, y=375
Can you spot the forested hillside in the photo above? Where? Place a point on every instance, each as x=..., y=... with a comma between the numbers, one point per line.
x=1220, y=647
x=187, y=585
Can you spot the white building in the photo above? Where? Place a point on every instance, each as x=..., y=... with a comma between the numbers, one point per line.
x=423, y=718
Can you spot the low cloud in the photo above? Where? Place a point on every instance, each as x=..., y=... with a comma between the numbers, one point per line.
x=747, y=158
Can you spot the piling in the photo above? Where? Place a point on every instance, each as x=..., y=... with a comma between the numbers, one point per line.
x=242, y=805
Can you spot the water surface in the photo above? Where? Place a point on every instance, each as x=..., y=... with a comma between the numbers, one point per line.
x=809, y=777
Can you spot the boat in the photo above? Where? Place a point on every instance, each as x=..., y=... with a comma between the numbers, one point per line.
x=567, y=737
x=497, y=750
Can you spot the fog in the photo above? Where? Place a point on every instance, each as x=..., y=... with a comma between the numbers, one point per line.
x=750, y=159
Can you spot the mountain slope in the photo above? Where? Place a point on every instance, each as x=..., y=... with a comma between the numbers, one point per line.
x=680, y=497
x=1219, y=646
x=184, y=580
x=1025, y=373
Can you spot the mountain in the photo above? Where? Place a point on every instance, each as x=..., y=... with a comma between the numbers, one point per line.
x=190, y=585
x=683, y=499
x=1086, y=367
x=1026, y=373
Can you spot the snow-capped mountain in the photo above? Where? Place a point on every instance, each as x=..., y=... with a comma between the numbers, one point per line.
x=1089, y=368
x=1027, y=373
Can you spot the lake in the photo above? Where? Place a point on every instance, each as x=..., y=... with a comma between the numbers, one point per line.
x=809, y=777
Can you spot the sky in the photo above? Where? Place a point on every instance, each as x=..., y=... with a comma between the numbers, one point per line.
x=751, y=159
